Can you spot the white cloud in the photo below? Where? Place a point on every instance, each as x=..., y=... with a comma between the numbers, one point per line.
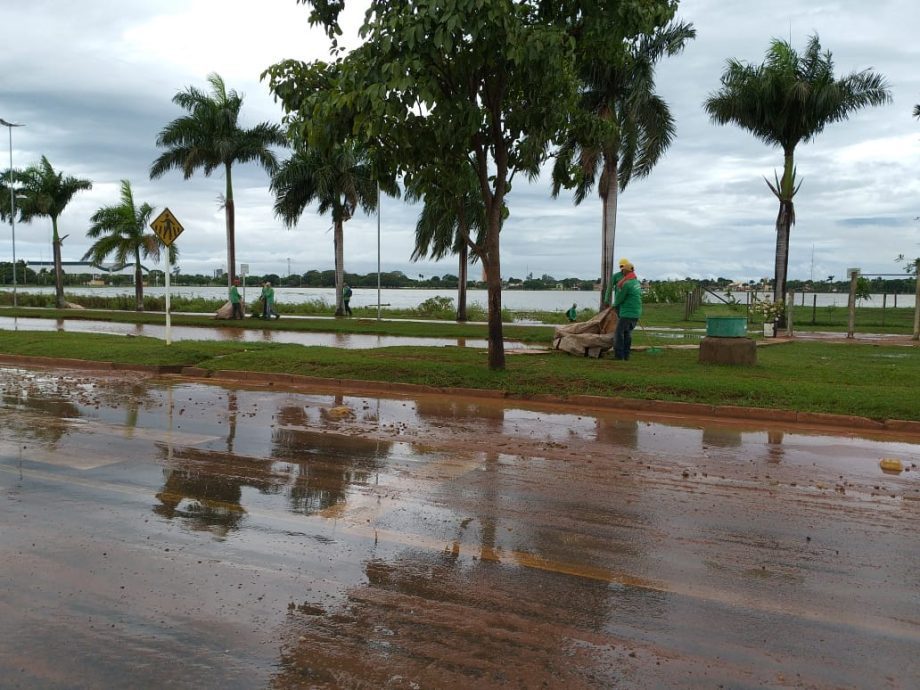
x=93, y=82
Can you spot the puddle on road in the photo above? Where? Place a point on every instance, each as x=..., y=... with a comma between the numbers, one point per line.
x=356, y=530
x=215, y=444
x=354, y=341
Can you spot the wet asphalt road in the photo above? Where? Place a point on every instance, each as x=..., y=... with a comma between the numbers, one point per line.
x=167, y=533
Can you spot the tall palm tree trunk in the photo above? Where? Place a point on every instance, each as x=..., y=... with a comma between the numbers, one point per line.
x=609, y=229
x=58, y=269
x=138, y=283
x=339, y=268
x=231, y=229
x=461, y=287
x=784, y=222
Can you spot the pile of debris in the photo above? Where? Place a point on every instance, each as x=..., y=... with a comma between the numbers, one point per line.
x=591, y=338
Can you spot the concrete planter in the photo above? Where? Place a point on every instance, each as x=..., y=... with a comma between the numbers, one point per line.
x=726, y=326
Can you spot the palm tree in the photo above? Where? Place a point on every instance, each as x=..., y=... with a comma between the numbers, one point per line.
x=917, y=110
x=43, y=192
x=789, y=99
x=627, y=128
x=340, y=180
x=447, y=224
x=122, y=230
x=210, y=137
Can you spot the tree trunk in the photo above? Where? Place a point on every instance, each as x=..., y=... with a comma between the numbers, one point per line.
x=231, y=230
x=492, y=264
x=783, y=231
x=339, y=269
x=609, y=227
x=138, y=283
x=784, y=222
x=58, y=269
x=461, y=287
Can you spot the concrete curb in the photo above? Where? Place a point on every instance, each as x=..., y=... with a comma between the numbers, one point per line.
x=663, y=407
x=90, y=365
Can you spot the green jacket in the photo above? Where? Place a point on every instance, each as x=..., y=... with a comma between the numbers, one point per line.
x=268, y=294
x=629, y=300
x=611, y=287
x=234, y=295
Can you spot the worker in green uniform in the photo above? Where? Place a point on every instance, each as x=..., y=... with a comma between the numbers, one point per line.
x=235, y=301
x=268, y=301
x=572, y=313
x=346, y=299
x=627, y=301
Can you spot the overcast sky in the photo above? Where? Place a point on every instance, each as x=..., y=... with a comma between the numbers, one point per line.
x=93, y=82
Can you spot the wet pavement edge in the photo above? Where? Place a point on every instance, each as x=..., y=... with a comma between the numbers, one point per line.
x=810, y=420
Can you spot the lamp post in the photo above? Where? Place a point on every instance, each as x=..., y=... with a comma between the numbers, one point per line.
x=10, y=125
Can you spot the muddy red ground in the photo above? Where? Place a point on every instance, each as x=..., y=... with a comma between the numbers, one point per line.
x=165, y=533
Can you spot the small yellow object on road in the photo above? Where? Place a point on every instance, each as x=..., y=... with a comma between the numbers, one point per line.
x=891, y=465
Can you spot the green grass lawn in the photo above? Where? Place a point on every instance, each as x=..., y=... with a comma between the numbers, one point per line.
x=873, y=381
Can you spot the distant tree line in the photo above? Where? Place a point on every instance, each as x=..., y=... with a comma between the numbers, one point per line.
x=397, y=279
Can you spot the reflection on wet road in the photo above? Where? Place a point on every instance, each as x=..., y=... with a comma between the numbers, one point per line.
x=161, y=533
x=352, y=341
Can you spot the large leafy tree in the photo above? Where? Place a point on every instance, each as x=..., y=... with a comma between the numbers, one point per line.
x=122, y=231
x=437, y=87
x=623, y=129
x=340, y=180
x=210, y=138
x=789, y=99
x=44, y=192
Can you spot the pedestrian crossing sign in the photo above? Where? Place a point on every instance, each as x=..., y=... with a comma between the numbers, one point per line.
x=167, y=227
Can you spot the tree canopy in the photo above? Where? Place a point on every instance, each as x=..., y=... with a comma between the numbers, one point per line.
x=439, y=86
x=44, y=193
x=122, y=230
x=210, y=138
x=789, y=99
x=340, y=180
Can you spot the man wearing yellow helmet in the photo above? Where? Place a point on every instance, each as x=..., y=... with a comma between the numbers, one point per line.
x=627, y=302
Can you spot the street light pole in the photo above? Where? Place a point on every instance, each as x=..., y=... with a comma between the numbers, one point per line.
x=10, y=125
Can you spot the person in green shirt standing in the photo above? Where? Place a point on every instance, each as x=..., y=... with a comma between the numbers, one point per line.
x=235, y=301
x=268, y=301
x=572, y=313
x=346, y=299
x=627, y=301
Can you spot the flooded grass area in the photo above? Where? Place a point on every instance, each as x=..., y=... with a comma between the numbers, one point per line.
x=169, y=533
x=248, y=335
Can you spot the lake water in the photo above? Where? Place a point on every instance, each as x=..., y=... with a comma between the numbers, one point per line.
x=515, y=300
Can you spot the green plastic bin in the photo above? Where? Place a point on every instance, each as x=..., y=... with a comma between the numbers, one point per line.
x=726, y=326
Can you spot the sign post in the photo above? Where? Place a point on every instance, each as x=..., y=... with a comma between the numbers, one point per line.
x=167, y=228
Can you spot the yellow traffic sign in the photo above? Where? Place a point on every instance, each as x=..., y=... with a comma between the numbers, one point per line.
x=167, y=227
